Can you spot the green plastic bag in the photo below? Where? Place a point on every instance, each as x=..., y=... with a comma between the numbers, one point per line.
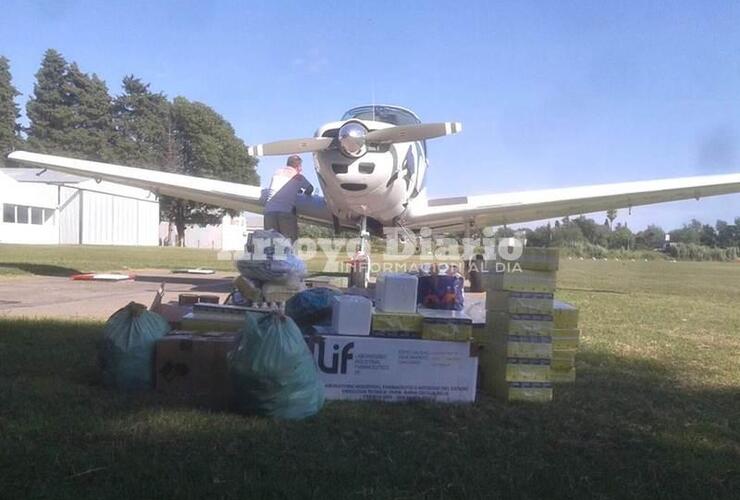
x=272, y=371
x=127, y=350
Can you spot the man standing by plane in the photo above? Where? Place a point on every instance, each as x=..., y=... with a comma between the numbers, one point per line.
x=280, y=198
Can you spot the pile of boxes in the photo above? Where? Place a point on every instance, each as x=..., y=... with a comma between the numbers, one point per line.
x=396, y=313
x=396, y=351
x=517, y=342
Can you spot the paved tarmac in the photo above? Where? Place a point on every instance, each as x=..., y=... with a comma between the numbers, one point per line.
x=63, y=298
x=60, y=297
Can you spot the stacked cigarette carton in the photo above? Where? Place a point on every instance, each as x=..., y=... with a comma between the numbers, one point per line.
x=517, y=342
x=565, y=336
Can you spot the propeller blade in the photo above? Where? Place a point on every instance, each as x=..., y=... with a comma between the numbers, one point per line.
x=291, y=146
x=409, y=133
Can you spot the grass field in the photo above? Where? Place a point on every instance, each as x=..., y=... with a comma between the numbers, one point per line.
x=65, y=260
x=655, y=413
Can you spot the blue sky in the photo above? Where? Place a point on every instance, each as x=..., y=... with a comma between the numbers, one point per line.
x=550, y=93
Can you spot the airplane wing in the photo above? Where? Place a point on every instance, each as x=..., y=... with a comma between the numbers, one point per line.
x=526, y=206
x=219, y=193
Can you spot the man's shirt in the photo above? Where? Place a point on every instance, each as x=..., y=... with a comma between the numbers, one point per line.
x=284, y=187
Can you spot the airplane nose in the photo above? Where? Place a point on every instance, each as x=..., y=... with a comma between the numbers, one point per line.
x=353, y=176
x=370, y=182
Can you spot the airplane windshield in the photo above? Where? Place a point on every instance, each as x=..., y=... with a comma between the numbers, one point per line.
x=385, y=114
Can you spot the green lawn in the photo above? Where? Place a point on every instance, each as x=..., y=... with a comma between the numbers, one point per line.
x=65, y=260
x=655, y=413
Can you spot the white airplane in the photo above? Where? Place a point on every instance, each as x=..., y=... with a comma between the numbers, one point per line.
x=372, y=165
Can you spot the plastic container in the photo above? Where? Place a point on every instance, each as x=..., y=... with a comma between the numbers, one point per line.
x=442, y=291
x=351, y=315
x=396, y=292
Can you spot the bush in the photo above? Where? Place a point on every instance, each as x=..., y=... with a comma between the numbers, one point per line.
x=693, y=251
x=589, y=250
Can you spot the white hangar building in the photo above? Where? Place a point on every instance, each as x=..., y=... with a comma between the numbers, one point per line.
x=230, y=235
x=45, y=207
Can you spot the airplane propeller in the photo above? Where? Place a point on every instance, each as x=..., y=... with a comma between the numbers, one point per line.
x=409, y=133
x=291, y=146
x=353, y=137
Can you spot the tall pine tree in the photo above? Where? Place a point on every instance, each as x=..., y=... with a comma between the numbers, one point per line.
x=142, y=123
x=70, y=111
x=92, y=127
x=47, y=109
x=9, y=112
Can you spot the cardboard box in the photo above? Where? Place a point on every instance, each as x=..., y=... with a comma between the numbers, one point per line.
x=494, y=382
x=563, y=360
x=188, y=299
x=497, y=366
x=219, y=311
x=439, y=324
x=520, y=281
x=527, y=370
x=218, y=318
x=565, y=340
x=480, y=333
x=564, y=315
x=388, y=369
x=533, y=259
x=193, y=367
x=532, y=392
x=527, y=325
x=190, y=323
x=519, y=302
x=540, y=259
x=400, y=325
x=516, y=346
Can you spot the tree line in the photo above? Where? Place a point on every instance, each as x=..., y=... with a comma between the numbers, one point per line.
x=72, y=113
x=589, y=238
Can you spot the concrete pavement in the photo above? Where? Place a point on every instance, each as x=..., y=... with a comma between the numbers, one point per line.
x=63, y=298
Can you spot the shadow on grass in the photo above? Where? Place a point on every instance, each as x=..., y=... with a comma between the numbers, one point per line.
x=627, y=428
x=40, y=269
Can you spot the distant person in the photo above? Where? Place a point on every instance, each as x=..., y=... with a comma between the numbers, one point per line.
x=280, y=198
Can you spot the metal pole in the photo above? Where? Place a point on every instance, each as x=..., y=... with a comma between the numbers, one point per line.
x=365, y=250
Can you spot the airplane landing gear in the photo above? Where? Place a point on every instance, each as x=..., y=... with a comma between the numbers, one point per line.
x=360, y=266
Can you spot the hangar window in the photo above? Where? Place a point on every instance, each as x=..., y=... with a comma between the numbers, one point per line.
x=37, y=215
x=22, y=214
x=8, y=212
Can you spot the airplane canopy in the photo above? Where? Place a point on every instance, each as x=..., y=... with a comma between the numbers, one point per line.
x=395, y=115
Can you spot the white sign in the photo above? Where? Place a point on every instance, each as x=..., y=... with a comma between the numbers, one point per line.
x=390, y=369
